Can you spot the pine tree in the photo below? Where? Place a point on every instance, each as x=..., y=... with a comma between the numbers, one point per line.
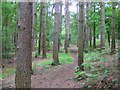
x=103, y=26
x=80, y=35
x=44, y=31
x=56, y=34
x=24, y=47
x=113, y=27
x=67, y=26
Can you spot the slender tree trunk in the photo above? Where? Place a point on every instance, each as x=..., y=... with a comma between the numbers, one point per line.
x=67, y=26
x=119, y=59
x=118, y=43
x=80, y=35
x=113, y=27
x=44, y=31
x=40, y=31
x=94, y=31
x=56, y=35
x=108, y=36
x=90, y=37
x=6, y=41
x=86, y=29
x=24, y=47
x=59, y=41
x=60, y=17
x=15, y=39
x=102, y=46
x=77, y=18
x=119, y=32
x=1, y=38
x=33, y=25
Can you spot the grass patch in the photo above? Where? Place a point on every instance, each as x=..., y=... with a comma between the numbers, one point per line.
x=49, y=55
x=7, y=72
x=42, y=64
x=64, y=58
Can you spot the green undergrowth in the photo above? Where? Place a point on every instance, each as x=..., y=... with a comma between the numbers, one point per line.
x=63, y=58
x=93, y=67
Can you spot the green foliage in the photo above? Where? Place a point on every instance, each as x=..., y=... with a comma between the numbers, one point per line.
x=94, y=68
x=82, y=74
x=9, y=25
x=79, y=74
x=94, y=56
x=74, y=28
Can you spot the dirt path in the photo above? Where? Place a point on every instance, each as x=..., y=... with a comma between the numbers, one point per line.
x=61, y=76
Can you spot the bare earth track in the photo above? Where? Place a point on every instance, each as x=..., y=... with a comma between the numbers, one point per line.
x=61, y=76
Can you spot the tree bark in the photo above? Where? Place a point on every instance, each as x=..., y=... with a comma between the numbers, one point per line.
x=44, y=31
x=113, y=27
x=24, y=47
x=119, y=32
x=86, y=29
x=94, y=31
x=1, y=38
x=40, y=31
x=77, y=18
x=80, y=35
x=59, y=40
x=33, y=25
x=67, y=26
x=108, y=36
x=6, y=41
x=56, y=34
x=61, y=17
x=102, y=46
x=90, y=37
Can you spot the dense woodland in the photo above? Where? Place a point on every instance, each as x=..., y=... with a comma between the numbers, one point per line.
x=63, y=44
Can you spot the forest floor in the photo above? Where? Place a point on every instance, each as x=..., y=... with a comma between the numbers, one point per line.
x=63, y=76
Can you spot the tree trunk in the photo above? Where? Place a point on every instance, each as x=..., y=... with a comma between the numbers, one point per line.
x=59, y=41
x=33, y=25
x=90, y=37
x=94, y=34
x=6, y=41
x=113, y=27
x=80, y=35
x=102, y=46
x=108, y=36
x=119, y=43
x=77, y=18
x=86, y=29
x=67, y=26
x=56, y=35
x=60, y=16
x=119, y=32
x=1, y=38
x=44, y=31
x=24, y=47
x=40, y=31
